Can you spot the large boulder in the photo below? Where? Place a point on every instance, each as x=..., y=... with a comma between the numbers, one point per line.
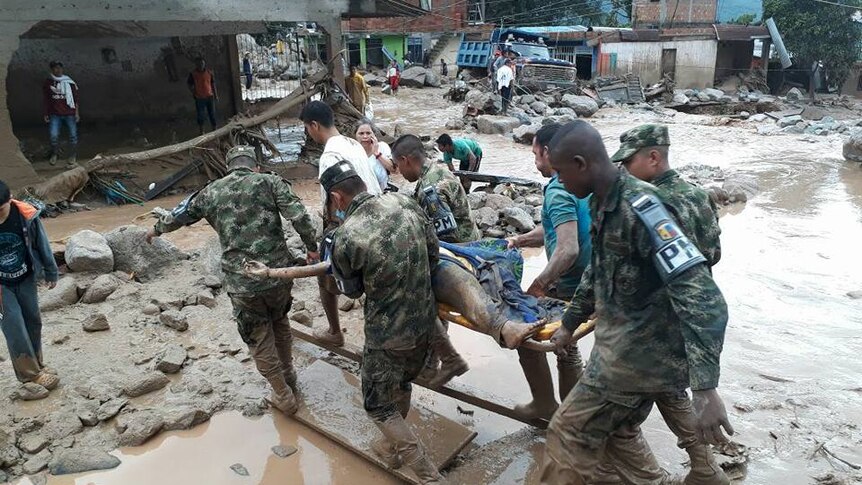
x=519, y=219
x=713, y=94
x=372, y=80
x=795, y=94
x=432, y=80
x=484, y=103
x=853, y=147
x=525, y=134
x=64, y=294
x=539, y=107
x=497, y=125
x=413, y=77
x=89, y=251
x=486, y=217
x=584, y=106
x=498, y=202
x=680, y=98
x=132, y=254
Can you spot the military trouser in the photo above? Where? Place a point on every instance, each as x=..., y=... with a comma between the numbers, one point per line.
x=22, y=327
x=386, y=379
x=596, y=425
x=263, y=325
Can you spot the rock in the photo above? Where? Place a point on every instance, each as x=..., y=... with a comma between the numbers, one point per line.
x=145, y=384
x=455, y=124
x=713, y=94
x=37, y=462
x=87, y=413
x=171, y=359
x=740, y=188
x=680, y=98
x=519, y=219
x=3, y=477
x=64, y=294
x=486, y=217
x=537, y=214
x=185, y=419
x=793, y=130
x=138, y=427
x=795, y=94
x=387, y=89
x=703, y=97
x=527, y=99
x=854, y=295
x=539, y=107
x=239, y=469
x=496, y=125
x=789, y=121
x=767, y=129
x=484, y=103
x=207, y=299
x=744, y=114
x=79, y=460
x=30, y=391
x=303, y=317
x=88, y=251
x=413, y=77
x=284, y=451
x=759, y=118
x=175, y=320
x=151, y=309
x=110, y=408
x=96, y=322
x=33, y=443
x=132, y=254
x=534, y=200
x=101, y=289
x=209, y=281
x=432, y=79
x=526, y=133
x=498, y=202
x=853, y=147
x=477, y=199
x=372, y=80
x=495, y=233
x=584, y=106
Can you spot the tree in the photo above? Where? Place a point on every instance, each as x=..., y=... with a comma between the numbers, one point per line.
x=744, y=19
x=816, y=32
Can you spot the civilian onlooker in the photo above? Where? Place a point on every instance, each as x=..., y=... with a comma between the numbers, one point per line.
x=60, y=95
x=25, y=254
x=201, y=82
x=394, y=76
x=444, y=68
x=505, y=78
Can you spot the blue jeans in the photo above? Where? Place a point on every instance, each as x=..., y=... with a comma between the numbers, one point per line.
x=206, y=107
x=54, y=130
x=22, y=327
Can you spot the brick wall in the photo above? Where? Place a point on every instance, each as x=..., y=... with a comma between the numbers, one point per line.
x=652, y=13
x=445, y=16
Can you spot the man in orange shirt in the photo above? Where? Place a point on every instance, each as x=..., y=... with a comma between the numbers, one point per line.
x=201, y=82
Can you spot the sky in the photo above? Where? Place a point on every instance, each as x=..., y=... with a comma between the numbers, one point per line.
x=731, y=9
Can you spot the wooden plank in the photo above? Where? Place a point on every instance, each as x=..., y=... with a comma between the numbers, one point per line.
x=454, y=390
x=496, y=179
x=777, y=115
x=331, y=403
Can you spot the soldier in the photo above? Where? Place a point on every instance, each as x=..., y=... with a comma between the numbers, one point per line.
x=565, y=234
x=385, y=248
x=644, y=153
x=454, y=219
x=660, y=323
x=243, y=207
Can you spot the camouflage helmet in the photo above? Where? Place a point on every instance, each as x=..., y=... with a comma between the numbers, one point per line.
x=240, y=151
x=639, y=137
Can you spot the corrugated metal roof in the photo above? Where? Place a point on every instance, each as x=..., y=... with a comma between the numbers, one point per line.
x=741, y=32
x=552, y=29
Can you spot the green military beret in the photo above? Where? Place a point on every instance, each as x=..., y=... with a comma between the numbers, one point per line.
x=643, y=136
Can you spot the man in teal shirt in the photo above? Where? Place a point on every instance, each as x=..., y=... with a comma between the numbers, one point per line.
x=465, y=150
x=565, y=233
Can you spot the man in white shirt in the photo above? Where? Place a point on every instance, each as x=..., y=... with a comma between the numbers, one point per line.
x=505, y=78
x=319, y=123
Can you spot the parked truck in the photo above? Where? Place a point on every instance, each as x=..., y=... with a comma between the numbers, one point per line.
x=536, y=69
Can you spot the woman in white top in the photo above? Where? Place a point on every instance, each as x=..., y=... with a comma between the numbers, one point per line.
x=379, y=153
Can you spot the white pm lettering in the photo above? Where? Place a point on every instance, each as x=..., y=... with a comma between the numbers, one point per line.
x=676, y=254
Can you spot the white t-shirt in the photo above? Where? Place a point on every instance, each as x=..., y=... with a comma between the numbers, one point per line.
x=379, y=169
x=340, y=148
x=505, y=76
x=393, y=71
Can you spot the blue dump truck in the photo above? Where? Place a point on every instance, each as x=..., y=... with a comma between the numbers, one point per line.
x=536, y=69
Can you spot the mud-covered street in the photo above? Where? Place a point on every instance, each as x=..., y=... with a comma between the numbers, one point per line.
x=790, y=366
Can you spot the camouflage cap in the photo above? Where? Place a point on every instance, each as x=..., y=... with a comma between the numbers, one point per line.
x=240, y=151
x=642, y=136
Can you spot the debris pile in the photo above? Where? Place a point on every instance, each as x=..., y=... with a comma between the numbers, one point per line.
x=506, y=210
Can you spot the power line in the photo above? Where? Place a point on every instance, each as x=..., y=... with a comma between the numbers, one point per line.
x=838, y=4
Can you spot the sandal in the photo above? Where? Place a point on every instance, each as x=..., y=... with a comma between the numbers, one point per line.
x=48, y=381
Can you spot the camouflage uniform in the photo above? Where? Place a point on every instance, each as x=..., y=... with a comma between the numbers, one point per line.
x=389, y=244
x=452, y=192
x=652, y=340
x=243, y=207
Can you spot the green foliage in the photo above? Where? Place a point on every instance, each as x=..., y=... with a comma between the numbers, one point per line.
x=744, y=19
x=814, y=31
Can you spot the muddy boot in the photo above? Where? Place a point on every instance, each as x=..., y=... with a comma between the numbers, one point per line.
x=570, y=368
x=282, y=397
x=324, y=334
x=704, y=469
x=538, y=374
x=409, y=450
x=606, y=474
x=451, y=363
x=385, y=450
x=284, y=349
x=52, y=160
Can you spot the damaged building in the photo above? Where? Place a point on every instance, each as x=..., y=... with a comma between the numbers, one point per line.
x=131, y=60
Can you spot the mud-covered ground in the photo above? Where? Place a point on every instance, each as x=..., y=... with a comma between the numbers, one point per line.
x=791, y=366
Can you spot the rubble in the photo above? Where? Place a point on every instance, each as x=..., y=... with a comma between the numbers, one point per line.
x=853, y=147
x=175, y=320
x=137, y=428
x=171, y=359
x=498, y=215
x=100, y=289
x=97, y=322
x=497, y=125
x=584, y=106
x=145, y=384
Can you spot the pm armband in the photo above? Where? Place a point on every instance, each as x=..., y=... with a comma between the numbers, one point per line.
x=673, y=253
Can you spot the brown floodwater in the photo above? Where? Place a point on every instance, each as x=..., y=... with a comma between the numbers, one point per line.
x=791, y=360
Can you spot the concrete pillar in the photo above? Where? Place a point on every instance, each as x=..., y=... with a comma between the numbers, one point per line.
x=237, y=78
x=363, y=54
x=764, y=55
x=15, y=169
x=334, y=46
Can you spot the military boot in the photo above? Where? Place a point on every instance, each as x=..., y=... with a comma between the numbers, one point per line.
x=409, y=450
x=282, y=397
x=570, y=368
x=451, y=363
x=704, y=469
x=538, y=375
x=284, y=348
x=385, y=450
